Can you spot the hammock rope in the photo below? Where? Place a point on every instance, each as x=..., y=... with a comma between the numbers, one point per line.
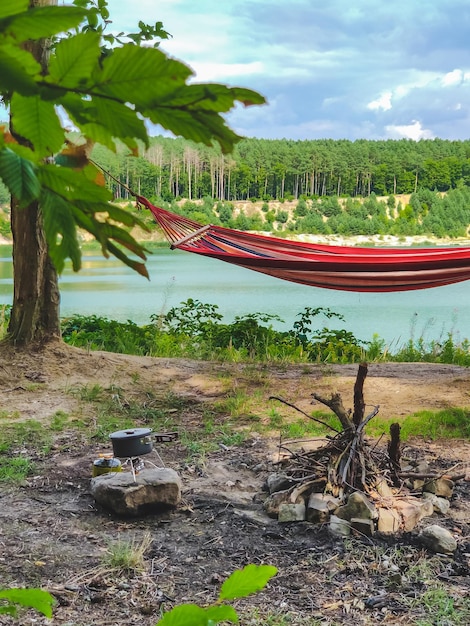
x=318, y=265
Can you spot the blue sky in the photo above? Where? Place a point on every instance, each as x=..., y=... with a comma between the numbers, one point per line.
x=340, y=69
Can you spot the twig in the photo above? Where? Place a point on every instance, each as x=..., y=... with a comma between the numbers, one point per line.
x=336, y=405
x=304, y=413
x=355, y=441
x=359, y=405
x=454, y=478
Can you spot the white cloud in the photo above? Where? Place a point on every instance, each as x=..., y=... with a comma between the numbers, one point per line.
x=220, y=71
x=453, y=78
x=384, y=102
x=355, y=69
x=409, y=131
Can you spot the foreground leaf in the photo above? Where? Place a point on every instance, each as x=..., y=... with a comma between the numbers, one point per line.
x=185, y=614
x=74, y=60
x=37, y=599
x=72, y=184
x=140, y=75
x=61, y=231
x=18, y=71
x=244, y=582
x=19, y=175
x=222, y=613
x=36, y=120
x=12, y=7
x=43, y=22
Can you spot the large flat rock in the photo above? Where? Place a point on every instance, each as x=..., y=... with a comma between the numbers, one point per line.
x=152, y=491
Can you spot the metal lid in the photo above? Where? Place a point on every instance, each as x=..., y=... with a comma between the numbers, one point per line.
x=131, y=433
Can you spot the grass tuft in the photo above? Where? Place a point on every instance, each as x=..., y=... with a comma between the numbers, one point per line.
x=128, y=556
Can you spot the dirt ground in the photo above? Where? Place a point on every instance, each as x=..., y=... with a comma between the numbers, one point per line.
x=55, y=536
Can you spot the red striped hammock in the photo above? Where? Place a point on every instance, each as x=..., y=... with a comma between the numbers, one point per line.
x=331, y=267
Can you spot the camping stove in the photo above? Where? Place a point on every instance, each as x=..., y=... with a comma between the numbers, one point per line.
x=133, y=443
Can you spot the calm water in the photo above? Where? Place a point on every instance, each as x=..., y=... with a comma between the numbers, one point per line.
x=106, y=288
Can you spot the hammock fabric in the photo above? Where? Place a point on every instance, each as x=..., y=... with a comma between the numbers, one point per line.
x=330, y=267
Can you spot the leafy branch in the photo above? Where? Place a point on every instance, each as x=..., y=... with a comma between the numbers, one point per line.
x=240, y=584
x=107, y=91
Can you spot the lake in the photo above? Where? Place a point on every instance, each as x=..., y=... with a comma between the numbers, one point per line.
x=105, y=287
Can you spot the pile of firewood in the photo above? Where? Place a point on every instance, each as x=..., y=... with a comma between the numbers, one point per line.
x=347, y=462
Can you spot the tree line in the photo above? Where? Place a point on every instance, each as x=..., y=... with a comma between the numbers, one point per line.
x=427, y=213
x=270, y=169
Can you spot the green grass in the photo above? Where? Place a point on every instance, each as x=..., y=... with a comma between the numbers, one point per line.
x=127, y=556
x=448, y=424
x=29, y=434
x=438, y=607
x=15, y=470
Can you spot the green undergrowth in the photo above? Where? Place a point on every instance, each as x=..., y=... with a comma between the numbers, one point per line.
x=445, y=424
x=196, y=330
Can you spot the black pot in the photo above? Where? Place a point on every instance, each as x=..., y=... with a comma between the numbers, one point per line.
x=131, y=442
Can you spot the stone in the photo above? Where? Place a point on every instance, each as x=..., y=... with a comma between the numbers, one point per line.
x=423, y=468
x=442, y=487
x=278, y=482
x=383, y=488
x=320, y=506
x=292, y=512
x=412, y=510
x=358, y=505
x=440, y=505
x=388, y=522
x=417, y=484
x=438, y=539
x=339, y=527
x=363, y=526
x=154, y=490
x=274, y=501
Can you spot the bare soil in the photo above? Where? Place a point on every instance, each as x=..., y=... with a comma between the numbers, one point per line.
x=54, y=535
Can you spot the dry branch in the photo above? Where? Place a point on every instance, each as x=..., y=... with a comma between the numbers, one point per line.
x=359, y=404
x=335, y=403
x=314, y=419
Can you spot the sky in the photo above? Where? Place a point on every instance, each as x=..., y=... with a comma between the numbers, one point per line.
x=337, y=69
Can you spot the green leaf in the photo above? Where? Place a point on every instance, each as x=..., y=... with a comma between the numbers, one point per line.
x=211, y=97
x=18, y=69
x=137, y=266
x=244, y=582
x=43, y=22
x=72, y=184
x=120, y=120
x=103, y=121
x=104, y=232
x=125, y=217
x=61, y=231
x=8, y=610
x=185, y=614
x=36, y=120
x=111, y=231
x=222, y=613
x=140, y=75
x=74, y=60
x=200, y=126
x=100, y=134
x=19, y=175
x=37, y=599
x=24, y=152
x=12, y=7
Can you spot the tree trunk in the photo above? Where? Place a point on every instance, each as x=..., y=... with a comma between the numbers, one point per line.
x=35, y=314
